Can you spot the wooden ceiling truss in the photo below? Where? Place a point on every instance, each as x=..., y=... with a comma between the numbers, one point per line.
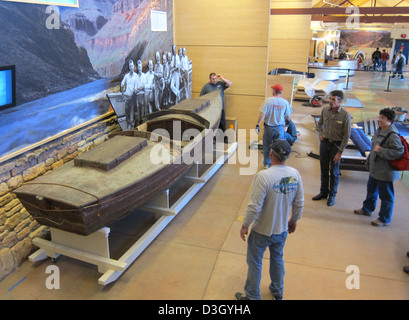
x=336, y=11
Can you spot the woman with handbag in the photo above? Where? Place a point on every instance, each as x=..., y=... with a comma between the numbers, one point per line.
x=385, y=146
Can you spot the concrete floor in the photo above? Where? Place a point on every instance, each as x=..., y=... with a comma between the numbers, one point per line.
x=201, y=256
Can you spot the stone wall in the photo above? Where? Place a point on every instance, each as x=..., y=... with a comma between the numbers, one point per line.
x=17, y=227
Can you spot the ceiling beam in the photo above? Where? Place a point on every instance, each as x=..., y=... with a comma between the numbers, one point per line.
x=337, y=10
x=398, y=4
x=363, y=19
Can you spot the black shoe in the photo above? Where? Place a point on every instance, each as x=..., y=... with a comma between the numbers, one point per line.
x=362, y=212
x=320, y=196
x=331, y=201
x=406, y=269
x=240, y=296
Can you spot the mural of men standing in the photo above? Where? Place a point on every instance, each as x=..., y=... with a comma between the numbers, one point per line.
x=159, y=82
x=128, y=84
x=140, y=92
x=166, y=77
x=184, y=69
x=149, y=88
x=174, y=77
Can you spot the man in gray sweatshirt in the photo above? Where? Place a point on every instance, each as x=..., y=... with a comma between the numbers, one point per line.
x=275, y=191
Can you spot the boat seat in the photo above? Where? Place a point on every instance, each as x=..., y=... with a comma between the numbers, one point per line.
x=192, y=105
x=111, y=153
x=168, y=123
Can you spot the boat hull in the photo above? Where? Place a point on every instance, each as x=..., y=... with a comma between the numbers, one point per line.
x=92, y=216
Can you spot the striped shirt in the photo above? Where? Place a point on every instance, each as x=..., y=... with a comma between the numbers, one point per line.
x=335, y=126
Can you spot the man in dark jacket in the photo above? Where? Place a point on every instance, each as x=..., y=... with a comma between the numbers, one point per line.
x=376, y=58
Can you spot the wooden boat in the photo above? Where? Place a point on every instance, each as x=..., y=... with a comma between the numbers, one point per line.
x=106, y=182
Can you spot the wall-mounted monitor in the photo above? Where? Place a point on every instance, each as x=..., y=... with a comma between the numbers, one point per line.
x=7, y=86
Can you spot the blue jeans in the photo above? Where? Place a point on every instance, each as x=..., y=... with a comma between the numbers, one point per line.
x=376, y=63
x=385, y=191
x=399, y=71
x=383, y=66
x=270, y=134
x=291, y=134
x=256, y=246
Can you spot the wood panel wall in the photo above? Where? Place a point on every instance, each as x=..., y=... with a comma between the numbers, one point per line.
x=289, y=37
x=230, y=38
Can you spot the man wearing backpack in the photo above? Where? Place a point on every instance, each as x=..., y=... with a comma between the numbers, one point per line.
x=384, y=59
x=385, y=146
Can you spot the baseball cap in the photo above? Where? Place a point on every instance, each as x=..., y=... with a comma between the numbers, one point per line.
x=277, y=88
x=281, y=149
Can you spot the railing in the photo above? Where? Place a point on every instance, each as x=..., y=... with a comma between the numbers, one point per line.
x=391, y=74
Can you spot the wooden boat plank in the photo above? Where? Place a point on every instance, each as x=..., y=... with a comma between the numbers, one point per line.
x=112, y=153
x=192, y=105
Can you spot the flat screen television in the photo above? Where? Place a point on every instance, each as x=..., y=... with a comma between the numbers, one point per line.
x=7, y=86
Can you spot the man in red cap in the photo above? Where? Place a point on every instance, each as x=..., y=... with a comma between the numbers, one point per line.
x=278, y=88
x=274, y=111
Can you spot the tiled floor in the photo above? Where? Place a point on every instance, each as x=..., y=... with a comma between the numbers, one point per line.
x=201, y=256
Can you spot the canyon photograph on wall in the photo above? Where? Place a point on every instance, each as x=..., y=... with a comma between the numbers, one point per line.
x=366, y=39
x=65, y=68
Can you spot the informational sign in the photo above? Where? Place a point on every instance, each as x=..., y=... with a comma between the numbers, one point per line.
x=63, y=3
x=159, y=21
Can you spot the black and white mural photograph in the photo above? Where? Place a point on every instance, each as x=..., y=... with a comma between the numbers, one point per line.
x=68, y=61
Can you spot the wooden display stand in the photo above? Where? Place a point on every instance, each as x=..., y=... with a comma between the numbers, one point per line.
x=94, y=248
